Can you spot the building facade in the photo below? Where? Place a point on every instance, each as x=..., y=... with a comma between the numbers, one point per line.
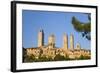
x=50, y=51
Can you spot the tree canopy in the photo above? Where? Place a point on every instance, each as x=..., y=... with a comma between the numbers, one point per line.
x=84, y=28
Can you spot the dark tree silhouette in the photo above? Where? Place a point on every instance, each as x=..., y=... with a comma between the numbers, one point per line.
x=84, y=28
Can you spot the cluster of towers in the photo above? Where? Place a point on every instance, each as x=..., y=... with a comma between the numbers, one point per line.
x=51, y=40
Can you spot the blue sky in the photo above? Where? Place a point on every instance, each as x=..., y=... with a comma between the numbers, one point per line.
x=51, y=22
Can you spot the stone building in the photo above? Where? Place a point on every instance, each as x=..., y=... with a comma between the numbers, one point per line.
x=65, y=41
x=50, y=51
x=51, y=41
x=40, y=38
x=71, y=41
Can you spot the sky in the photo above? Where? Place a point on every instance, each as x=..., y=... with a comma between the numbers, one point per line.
x=51, y=22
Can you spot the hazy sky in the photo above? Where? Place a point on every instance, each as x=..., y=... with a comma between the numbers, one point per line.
x=56, y=23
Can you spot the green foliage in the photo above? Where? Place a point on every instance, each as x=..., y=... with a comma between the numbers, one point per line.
x=59, y=57
x=83, y=57
x=84, y=28
x=77, y=25
x=67, y=58
x=30, y=58
x=44, y=58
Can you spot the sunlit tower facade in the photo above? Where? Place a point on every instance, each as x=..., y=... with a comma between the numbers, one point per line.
x=40, y=38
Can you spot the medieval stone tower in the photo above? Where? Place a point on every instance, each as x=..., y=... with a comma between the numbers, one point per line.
x=51, y=41
x=65, y=41
x=40, y=38
x=71, y=41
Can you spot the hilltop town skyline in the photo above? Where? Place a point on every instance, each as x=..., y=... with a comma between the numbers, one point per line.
x=56, y=23
x=52, y=38
x=50, y=52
